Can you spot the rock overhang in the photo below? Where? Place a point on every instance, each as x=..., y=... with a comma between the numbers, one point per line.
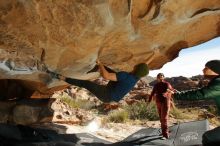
x=68, y=36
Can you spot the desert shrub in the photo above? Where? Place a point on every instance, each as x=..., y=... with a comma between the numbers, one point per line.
x=69, y=101
x=85, y=104
x=178, y=114
x=76, y=103
x=118, y=116
x=212, y=109
x=142, y=111
x=215, y=121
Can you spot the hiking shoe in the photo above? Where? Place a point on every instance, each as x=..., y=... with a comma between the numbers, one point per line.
x=53, y=74
x=164, y=138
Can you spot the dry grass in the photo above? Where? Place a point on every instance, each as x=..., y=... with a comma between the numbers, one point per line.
x=69, y=101
x=118, y=116
x=142, y=111
x=77, y=103
x=196, y=114
x=180, y=114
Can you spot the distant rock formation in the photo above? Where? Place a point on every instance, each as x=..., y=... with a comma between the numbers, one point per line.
x=183, y=83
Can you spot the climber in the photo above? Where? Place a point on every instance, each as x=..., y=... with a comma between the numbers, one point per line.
x=211, y=91
x=163, y=102
x=119, y=84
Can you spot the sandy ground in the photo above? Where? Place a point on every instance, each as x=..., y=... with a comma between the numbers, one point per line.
x=112, y=132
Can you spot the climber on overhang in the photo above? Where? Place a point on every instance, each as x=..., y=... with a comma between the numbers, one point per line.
x=119, y=84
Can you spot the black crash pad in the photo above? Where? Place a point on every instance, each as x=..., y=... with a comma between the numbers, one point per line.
x=184, y=134
x=11, y=135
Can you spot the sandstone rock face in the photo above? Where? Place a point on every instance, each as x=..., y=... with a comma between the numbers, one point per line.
x=32, y=111
x=69, y=35
x=27, y=111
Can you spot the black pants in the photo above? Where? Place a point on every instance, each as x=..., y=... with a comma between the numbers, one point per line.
x=100, y=91
x=211, y=137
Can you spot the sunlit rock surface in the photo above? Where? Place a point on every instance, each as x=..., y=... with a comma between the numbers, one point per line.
x=69, y=35
x=32, y=111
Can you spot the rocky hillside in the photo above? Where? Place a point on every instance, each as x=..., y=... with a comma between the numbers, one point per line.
x=68, y=36
x=58, y=108
x=183, y=83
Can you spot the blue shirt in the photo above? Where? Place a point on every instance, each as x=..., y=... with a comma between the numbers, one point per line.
x=125, y=82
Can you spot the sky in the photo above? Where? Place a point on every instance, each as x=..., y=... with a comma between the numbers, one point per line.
x=191, y=61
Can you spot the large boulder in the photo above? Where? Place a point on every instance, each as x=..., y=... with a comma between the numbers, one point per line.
x=33, y=111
